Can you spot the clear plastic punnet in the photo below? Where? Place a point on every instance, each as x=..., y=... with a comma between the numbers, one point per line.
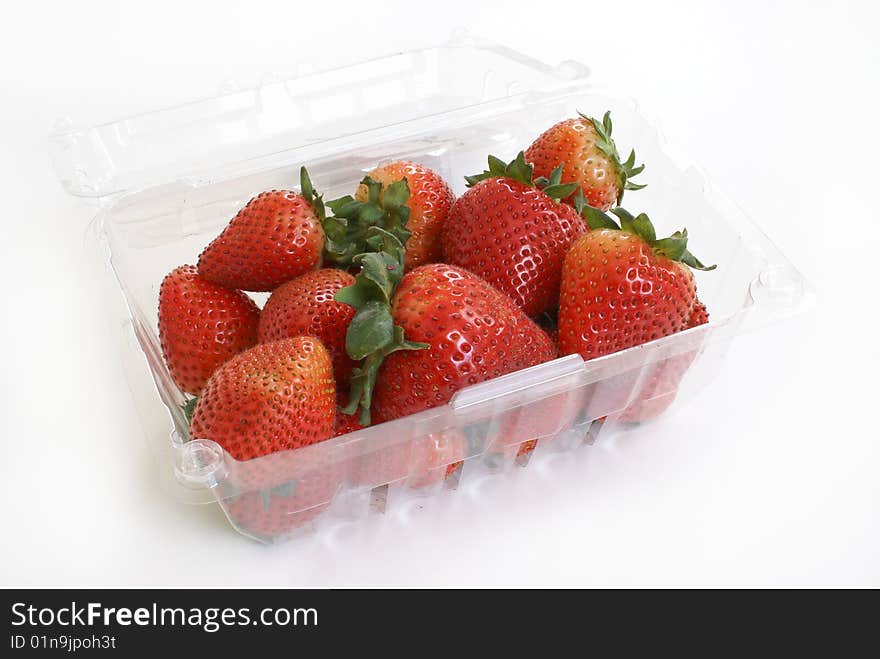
x=167, y=182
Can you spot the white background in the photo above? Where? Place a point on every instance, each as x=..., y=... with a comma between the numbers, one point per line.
x=771, y=477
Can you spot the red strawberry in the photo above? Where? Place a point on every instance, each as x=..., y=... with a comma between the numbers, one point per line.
x=699, y=315
x=472, y=333
x=305, y=307
x=273, y=397
x=553, y=333
x=661, y=383
x=429, y=203
x=276, y=237
x=623, y=287
x=202, y=325
x=345, y=423
x=588, y=156
x=512, y=234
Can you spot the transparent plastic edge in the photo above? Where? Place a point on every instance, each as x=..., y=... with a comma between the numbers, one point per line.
x=71, y=144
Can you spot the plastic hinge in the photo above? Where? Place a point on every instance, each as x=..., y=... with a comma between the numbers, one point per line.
x=200, y=464
x=779, y=291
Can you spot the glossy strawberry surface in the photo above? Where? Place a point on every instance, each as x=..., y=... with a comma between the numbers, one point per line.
x=201, y=326
x=275, y=238
x=305, y=307
x=473, y=333
x=515, y=237
x=275, y=396
x=588, y=155
x=617, y=293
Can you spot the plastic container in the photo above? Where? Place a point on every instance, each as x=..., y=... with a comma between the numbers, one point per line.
x=168, y=181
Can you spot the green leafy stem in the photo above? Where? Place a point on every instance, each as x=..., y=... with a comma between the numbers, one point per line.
x=371, y=235
x=626, y=169
x=674, y=247
x=522, y=171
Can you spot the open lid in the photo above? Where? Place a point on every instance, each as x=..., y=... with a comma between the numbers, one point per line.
x=319, y=113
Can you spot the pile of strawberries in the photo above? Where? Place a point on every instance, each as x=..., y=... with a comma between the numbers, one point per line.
x=387, y=302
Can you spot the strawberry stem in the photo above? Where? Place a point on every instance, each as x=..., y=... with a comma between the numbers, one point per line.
x=348, y=229
x=372, y=235
x=189, y=408
x=520, y=170
x=626, y=169
x=307, y=190
x=517, y=169
x=674, y=247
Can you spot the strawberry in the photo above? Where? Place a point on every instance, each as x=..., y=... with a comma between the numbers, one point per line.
x=699, y=315
x=512, y=234
x=305, y=307
x=273, y=397
x=588, y=155
x=429, y=203
x=202, y=325
x=662, y=380
x=345, y=423
x=622, y=287
x=471, y=331
x=276, y=237
x=553, y=333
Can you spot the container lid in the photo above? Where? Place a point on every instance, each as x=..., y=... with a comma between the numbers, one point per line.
x=321, y=111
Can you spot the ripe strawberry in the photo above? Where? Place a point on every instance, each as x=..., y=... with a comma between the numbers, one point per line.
x=429, y=203
x=553, y=333
x=588, y=156
x=345, y=423
x=276, y=237
x=699, y=315
x=472, y=333
x=273, y=397
x=661, y=382
x=305, y=307
x=513, y=235
x=202, y=325
x=623, y=287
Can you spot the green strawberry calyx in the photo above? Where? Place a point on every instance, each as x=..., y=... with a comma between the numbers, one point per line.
x=522, y=171
x=673, y=248
x=307, y=190
x=626, y=169
x=347, y=231
x=189, y=408
x=380, y=237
